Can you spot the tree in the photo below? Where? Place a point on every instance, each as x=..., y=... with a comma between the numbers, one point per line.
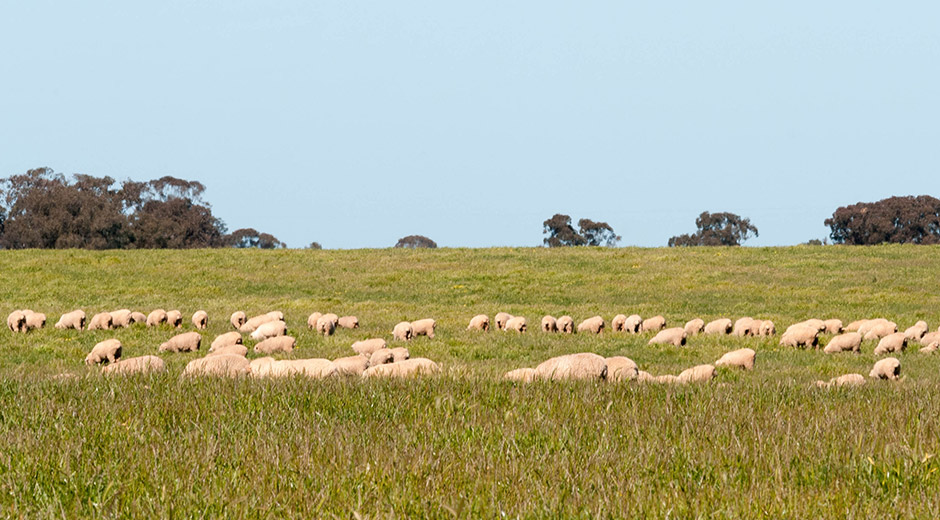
x=416, y=241
x=169, y=213
x=598, y=233
x=314, y=245
x=249, y=237
x=717, y=229
x=908, y=219
x=560, y=232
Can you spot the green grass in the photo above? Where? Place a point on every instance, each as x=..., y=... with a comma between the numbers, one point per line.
x=466, y=444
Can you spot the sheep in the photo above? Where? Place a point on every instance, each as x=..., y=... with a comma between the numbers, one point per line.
x=224, y=365
x=585, y=365
x=549, y=324
x=833, y=326
x=694, y=326
x=156, y=317
x=120, y=318
x=423, y=327
x=348, y=322
x=742, y=358
x=137, y=317
x=883, y=326
x=800, y=337
x=565, y=324
x=325, y=326
x=34, y=320
x=621, y=368
x=849, y=341
x=929, y=338
x=719, y=326
x=696, y=374
x=891, y=343
x=408, y=368
x=644, y=377
x=930, y=349
x=237, y=319
x=878, y=331
x=185, y=342
x=72, y=320
x=332, y=317
x=256, y=321
x=633, y=324
x=174, y=319
x=135, y=365
x=654, y=323
x=501, y=319
x=100, y=321
x=351, y=365
x=269, y=330
x=616, y=324
x=381, y=357
x=240, y=350
x=312, y=320
x=479, y=322
x=224, y=340
x=746, y=327
x=108, y=350
x=400, y=354
x=843, y=380
x=853, y=326
x=594, y=325
x=402, y=331
x=767, y=328
x=917, y=331
x=200, y=320
x=521, y=375
x=517, y=323
x=368, y=346
x=665, y=379
x=818, y=324
x=314, y=368
x=674, y=336
x=887, y=368
x=275, y=344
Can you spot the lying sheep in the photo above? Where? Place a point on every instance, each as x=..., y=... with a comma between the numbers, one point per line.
x=381, y=357
x=174, y=319
x=269, y=330
x=694, y=326
x=517, y=323
x=917, y=331
x=741, y=358
x=696, y=374
x=585, y=365
x=521, y=375
x=136, y=365
x=156, y=317
x=34, y=320
x=746, y=327
x=120, y=318
x=891, y=343
x=368, y=346
x=408, y=368
x=930, y=349
x=72, y=320
x=201, y=320
x=665, y=379
x=312, y=368
x=237, y=319
x=929, y=338
x=351, y=365
x=887, y=368
x=767, y=328
x=501, y=319
x=833, y=326
x=621, y=368
x=565, y=324
x=275, y=344
x=423, y=327
x=850, y=341
x=844, y=380
x=674, y=336
x=654, y=323
x=325, y=326
x=185, y=342
x=239, y=350
x=618, y=322
x=633, y=324
x=594, y=325
x=313, y=319
x=224, y=340
x=400, y=354
x=100, y=321
x=402, y=331
x=876, y=332
x=549, y=324
x=719, y=326
x=479, y=322
x=223, y=365
x=800, y=337
x=348, y=322
x=108, y=350
x=644, y=377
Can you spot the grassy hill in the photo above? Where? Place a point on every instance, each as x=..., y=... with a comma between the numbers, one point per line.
x=467, y=444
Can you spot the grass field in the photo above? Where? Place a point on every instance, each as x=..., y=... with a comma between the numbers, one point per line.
x=466, y=444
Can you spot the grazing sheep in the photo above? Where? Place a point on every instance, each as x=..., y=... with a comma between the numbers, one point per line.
x=833, y=326
x=741, y=358
x=621, y=368
x=549, y=324
x=269, y=330
x=767, y=328
x=654, y=323
x=254, y=322
x=800, y=337
x=201, y=319
x=501, y=319
x=917, y=331
x=313, y=368
x=585, y=365
x=746, y=327
x=665, y=379
x=313, y=319
x=849, y=341
x=237, y=319
x=818, y=324
x=880, y=330
x=381, y=357
x=674, y=336
x=891, y=343
x=400, y=354
x=138, y=317
x=275, y=344
x=565, y=324
x=108, y=350
x=174, y=319
x=929, y=338
x=224, y=365
x=853, y=326
x=240, y=350
x=887, y=368
x=332, y=317
x=100, y=321
x=402, y=331
x=930, y=349
x=694, y=326
x=351, y=365
x=368, y=346
x=135, y=365
x=185, y=342
x=34, y=320
x=517, y=323
x=407, y=368
x=348, y=322
x=224, y=340
x=72, y=320
x=696, y=374
x=719, y=326
x=880, y=323
x=618, y=322
x=844, y=380
x=644, y=377
x=479, y=322
x=521, y=375
x=594, y=325
x=325, y=326
x=423, y=327
x=633, y=324
x=156, y=317
x=121, y=318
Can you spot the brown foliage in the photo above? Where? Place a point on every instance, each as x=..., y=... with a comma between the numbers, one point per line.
x=909, y=219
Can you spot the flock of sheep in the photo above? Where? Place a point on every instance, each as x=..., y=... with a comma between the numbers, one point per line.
x=227, y=354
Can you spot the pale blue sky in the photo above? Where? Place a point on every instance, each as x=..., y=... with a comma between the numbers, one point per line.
x=356, y=123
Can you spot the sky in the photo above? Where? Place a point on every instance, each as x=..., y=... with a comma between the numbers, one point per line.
x=356, y=123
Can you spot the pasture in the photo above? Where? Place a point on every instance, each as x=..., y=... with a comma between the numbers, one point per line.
x=764, y=443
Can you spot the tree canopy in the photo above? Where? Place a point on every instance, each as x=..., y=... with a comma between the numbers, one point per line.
x=249, y=237
x=908, y=219
x=562, y=234
x=416, y=241
x=717, y=229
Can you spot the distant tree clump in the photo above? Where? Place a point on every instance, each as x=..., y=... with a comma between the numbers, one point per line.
x=314, y=245
x=717, y=229
x=249, y=237
x=416, y=241
x=562, y=234
x=901, y=220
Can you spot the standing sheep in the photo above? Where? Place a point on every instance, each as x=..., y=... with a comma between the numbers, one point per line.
x=800, y=337
x=746, y=327
x=237, y=319
x=654, y=323
x=501, y=319
x=254, y=322
x=633, y=324
x=517, y=323
x=620, y=368
x=917, y=331
x=240, y=350
x=325, y=326
x=348, y=322
x=887, y=368
x=696, y=374
x=565, y=324
x=108, y=350
x=313, y=319
x=227, y=339
x=402, y=331
x=891, y=343
x=849, y=341
x=694, y=326
x=381, y=357
x=136, y=365
x=156, y=317
x=138, y=317
x=719, y=326
x=479, y=322
x=400, y=354
x=833, y=326
x=275, y=344
x=741, y=358
x=120, y=318
x=585, y=365
x=72, y=320
x=674, y=336
x=332, y=317
x=593, y=324
x=201, y=320
x=880, y=330
x=423, y=327
x=100, y=321
x=224, y=365
x=351, y=365
x=174, y=318
x=549, y=324
x=767, y=328
x=882, y=324
x=34, y=320
x=185, y=342
x=368, y=346
x=269, y=330
x=616, y=324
